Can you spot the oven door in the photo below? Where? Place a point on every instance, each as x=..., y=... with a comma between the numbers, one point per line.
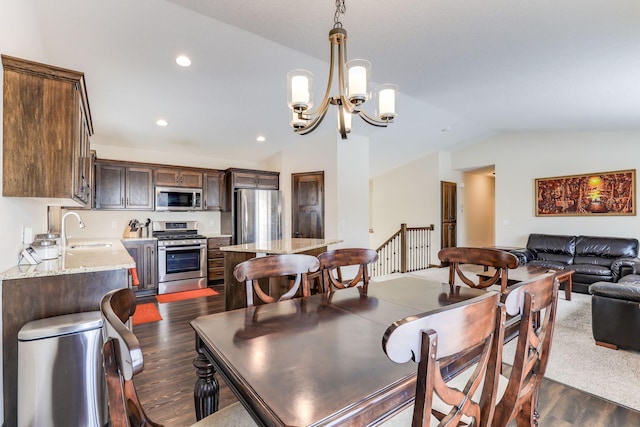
x=181, y=262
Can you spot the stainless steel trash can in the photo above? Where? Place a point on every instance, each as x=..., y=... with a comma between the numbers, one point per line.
x=60, y=373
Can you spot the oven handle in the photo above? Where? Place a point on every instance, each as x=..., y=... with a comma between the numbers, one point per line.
x=180, y=247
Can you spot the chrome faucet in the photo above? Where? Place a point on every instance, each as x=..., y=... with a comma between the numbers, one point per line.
x=63, y=232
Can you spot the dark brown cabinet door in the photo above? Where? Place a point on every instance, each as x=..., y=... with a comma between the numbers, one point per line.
x=215, y=196
x=139, y=188
x=122, y=187
x=448, y=194
x=46, y=129
x=307, y=205
x=110, y=190
x=143, y=253
x=178, y=178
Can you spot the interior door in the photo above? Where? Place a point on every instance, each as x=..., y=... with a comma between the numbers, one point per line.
x=448, y=217
x=307, y=205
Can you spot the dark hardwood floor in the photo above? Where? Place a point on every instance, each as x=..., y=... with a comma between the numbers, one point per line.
x=165, y=387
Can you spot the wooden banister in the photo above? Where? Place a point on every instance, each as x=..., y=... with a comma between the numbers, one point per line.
x=406, y=250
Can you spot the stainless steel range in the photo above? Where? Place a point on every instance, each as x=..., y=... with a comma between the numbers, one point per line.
x=182, y=256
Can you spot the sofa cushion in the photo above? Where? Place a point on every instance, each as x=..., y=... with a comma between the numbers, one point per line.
x=593, y=269
x=595, y=260
x=555, y=265
x=630, y=279
x=628, y=292
x=552, y=244
x=606, y=247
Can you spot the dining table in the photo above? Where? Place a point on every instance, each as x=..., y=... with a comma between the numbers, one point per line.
x=317, y=360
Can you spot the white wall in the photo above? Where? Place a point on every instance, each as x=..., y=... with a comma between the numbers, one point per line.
x=521, y=158
x=410, y=195
x=19, y=37
x=346, y=183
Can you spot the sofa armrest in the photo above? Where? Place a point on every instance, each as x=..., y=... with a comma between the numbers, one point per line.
x=524, y=255
x=623, y=266
x=621, y=291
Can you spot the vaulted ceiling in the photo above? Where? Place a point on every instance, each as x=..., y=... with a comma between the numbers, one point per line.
x=465, y=69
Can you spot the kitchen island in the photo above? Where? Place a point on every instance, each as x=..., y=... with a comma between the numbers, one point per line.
x=235, y=292
x=72, y=283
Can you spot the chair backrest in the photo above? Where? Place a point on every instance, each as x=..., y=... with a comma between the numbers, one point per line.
x=272, y=266
x=430, y=337
x=536, y=302
x=331, y=263
x=502, y=261
x=122, y=360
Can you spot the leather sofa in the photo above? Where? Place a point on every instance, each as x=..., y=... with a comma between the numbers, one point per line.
x=615, y=312
x=594, y=259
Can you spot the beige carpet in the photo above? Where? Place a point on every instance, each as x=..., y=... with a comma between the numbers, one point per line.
x=575, y=360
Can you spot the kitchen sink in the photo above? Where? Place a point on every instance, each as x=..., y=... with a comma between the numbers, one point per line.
x=94, y=245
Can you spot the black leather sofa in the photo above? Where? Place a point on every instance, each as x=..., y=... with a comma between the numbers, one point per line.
x=594, y=259
x=615, y=312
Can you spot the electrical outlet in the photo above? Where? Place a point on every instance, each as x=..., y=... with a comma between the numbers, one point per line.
x=114, y=224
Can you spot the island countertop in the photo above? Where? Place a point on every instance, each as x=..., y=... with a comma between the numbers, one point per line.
x=280, y=247
x=91, y=255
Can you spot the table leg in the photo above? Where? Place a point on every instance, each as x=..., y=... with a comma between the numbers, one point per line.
x=206, y=393
x=568, y=285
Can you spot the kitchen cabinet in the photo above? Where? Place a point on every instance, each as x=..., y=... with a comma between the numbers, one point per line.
x=46, y=129
x=166, y=177
x=215, y=195
x=254, y=179
x=119, y=186
x=215, y=258
x=144, y=253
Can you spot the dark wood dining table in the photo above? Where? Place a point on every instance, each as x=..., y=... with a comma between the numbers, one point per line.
x=318, y=360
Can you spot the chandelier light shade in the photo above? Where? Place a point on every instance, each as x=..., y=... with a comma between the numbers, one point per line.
x=353, y=89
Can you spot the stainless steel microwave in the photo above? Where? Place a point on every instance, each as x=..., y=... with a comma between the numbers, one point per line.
x=178, y=199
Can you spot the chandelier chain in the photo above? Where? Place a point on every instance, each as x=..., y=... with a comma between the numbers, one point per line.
x=341, y=8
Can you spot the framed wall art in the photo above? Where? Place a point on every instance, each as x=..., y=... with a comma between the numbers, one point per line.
x=594, y=194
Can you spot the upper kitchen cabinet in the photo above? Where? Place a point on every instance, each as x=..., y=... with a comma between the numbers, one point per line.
x=122, y=186
x=215, y=195
x=46, y=129
x=166, y=177
x=242, y=178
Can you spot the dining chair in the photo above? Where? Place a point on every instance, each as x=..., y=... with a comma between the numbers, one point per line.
x=428, y=340
x=502, y=261
x=332, y=263
x=275, y=266
x=536, y=302
x=123, y=359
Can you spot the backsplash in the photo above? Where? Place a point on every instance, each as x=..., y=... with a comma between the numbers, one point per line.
x=113, y=223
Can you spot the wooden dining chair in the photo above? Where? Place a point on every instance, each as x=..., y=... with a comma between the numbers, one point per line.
x=276, y=266
x=536, y=302
x=123, y=359
x=502, y=261
x=428, y=339
x=332, y=263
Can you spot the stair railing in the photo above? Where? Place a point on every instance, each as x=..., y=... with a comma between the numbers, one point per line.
x=407, y=250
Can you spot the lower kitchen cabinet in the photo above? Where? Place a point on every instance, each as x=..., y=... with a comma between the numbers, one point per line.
x=215, y=258
x=144, y=253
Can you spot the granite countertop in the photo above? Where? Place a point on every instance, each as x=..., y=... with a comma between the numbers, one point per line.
x=279, y=247
x=93, y=255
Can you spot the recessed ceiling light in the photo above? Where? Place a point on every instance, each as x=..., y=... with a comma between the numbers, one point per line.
x=183, y=61
x=261, y=139
x=162, y=122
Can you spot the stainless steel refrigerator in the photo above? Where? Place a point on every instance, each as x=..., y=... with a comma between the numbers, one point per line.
x=258, y=215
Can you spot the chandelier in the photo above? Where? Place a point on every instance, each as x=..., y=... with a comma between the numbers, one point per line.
x=352, y=87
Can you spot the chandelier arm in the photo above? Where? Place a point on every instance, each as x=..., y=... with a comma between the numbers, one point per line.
x=311, y=126
x=327, y=98
x=375, y=122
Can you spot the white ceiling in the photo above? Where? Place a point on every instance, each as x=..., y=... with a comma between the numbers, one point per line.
x=476, y=67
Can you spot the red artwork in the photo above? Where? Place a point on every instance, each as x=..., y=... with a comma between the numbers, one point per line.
x=602, y=193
